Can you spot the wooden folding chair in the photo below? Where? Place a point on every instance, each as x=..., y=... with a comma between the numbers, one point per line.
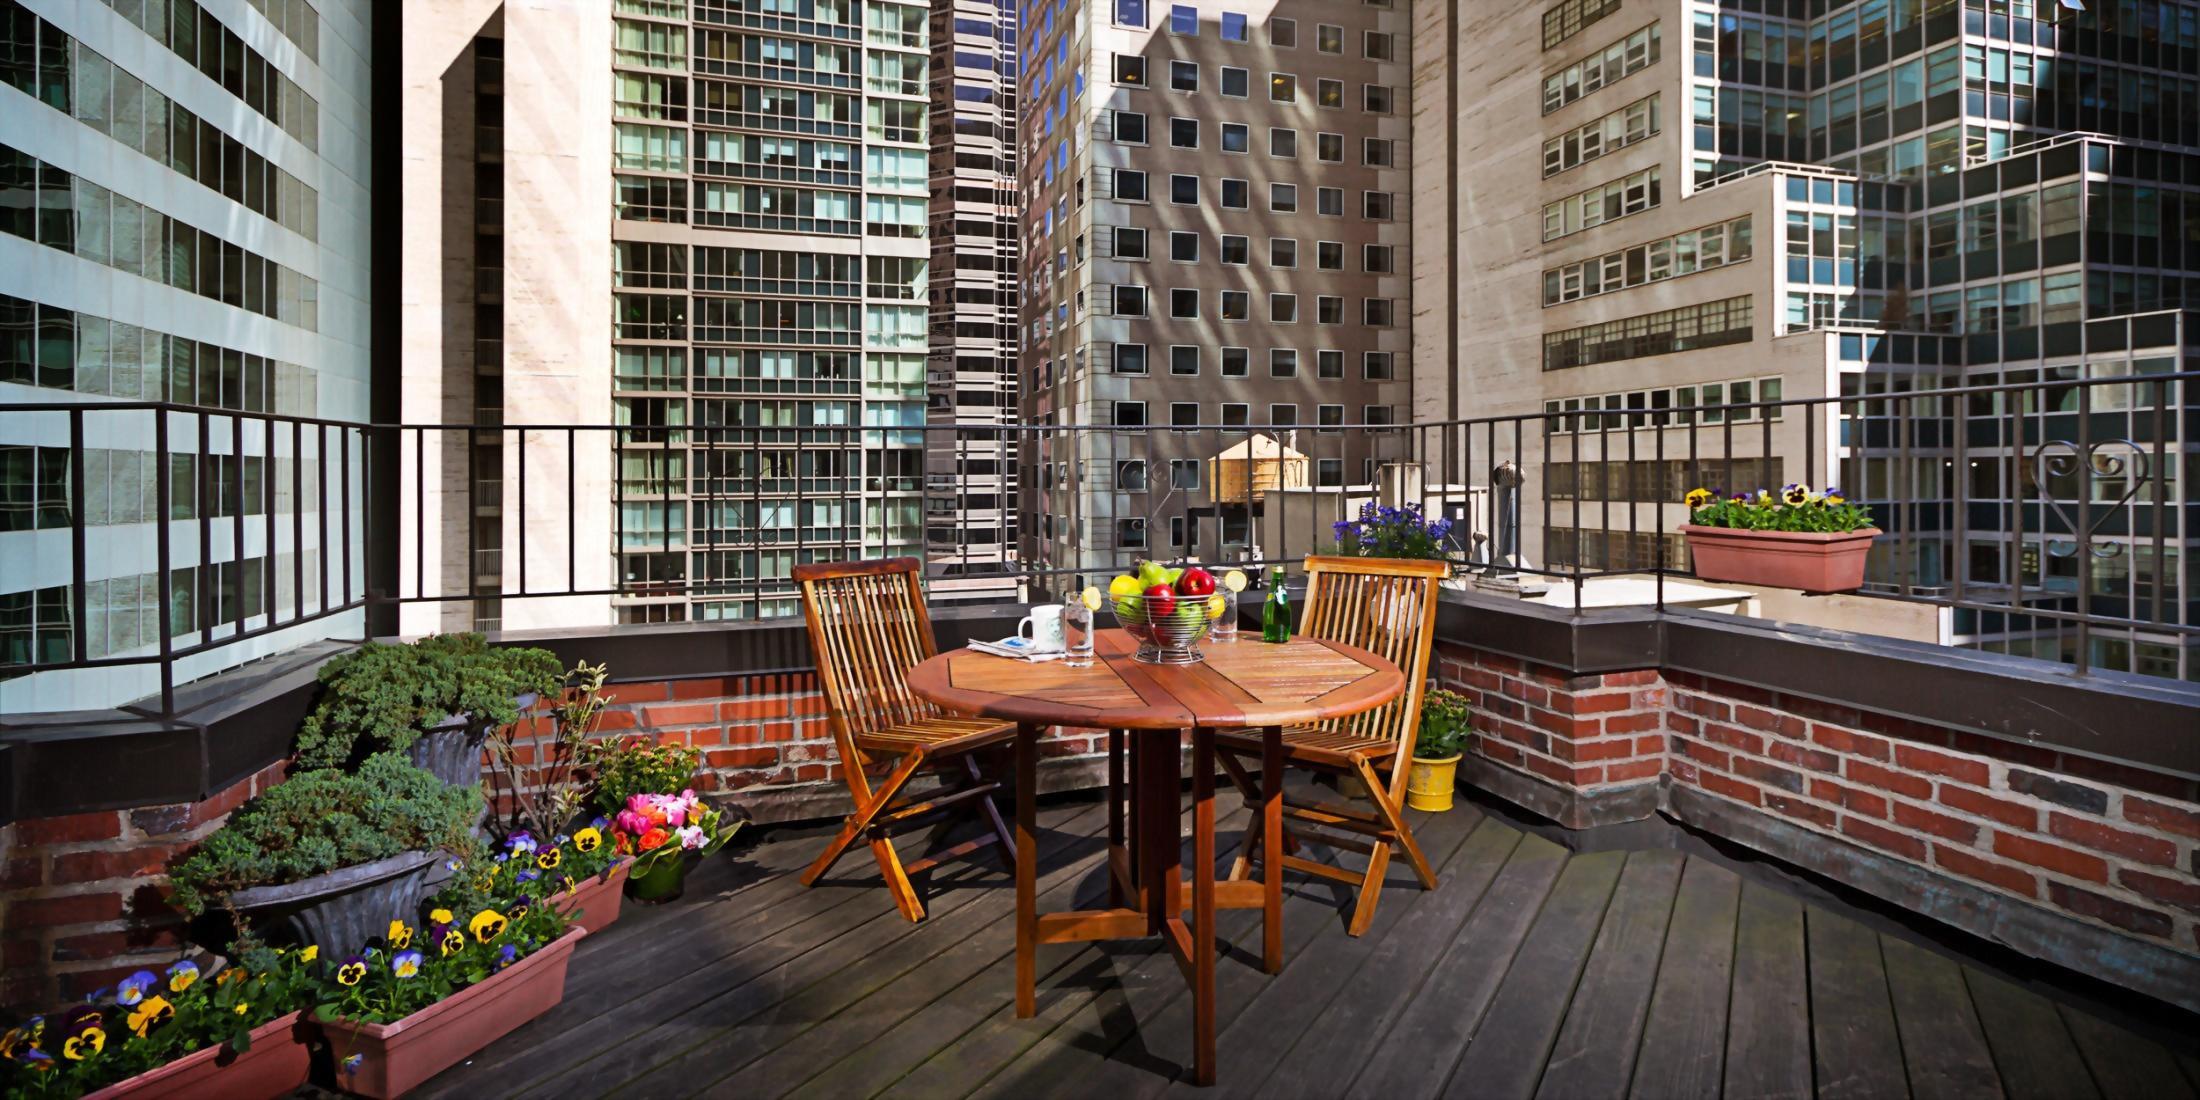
x=868, y=627
x=1386, y=606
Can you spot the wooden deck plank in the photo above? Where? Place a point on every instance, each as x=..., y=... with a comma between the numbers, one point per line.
x=1768, y=1024
x=1684, y=1037
x=1856, y=1049
x=1594, y=1055
x=1270, y=1023
x=2034, y=1054
x=1943, y=1048
x=720, y=996
x=1505, y=1058
x=2124, y=1065
x=1333, y=1047
x=754, y=1042
x=1414, y=1056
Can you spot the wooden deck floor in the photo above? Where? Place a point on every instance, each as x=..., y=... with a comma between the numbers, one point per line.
x=1531, y=972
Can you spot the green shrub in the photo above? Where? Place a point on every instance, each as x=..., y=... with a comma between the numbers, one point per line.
x=379, y=697
x=326, y=820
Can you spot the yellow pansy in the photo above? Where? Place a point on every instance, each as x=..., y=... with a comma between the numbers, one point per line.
x=587, y=840
x=312, y=952
x=84, y=1044
x=401, y=935
x=439, y=916
x=486, y=925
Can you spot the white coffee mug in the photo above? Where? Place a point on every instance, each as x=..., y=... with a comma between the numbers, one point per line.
x=1043, y=626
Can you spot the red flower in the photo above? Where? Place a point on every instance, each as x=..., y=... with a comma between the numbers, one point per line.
x=654, y=839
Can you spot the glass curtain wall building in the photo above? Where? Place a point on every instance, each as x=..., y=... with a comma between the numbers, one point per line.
x=183, y=189
x=1756, y=200
x=771, y=285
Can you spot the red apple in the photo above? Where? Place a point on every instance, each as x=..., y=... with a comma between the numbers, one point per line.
x=1196, y=582
x=1160, y=602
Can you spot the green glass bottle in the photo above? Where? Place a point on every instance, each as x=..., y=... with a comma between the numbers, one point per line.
x=1275, y=615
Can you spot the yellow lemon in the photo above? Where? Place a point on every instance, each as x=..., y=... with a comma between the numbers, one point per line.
x=1090, y=598
x=1125, y=585
x=1214, y=607
x=1234, y=580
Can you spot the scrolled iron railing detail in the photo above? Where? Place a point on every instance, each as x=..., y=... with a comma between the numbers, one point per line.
x=2062, y=458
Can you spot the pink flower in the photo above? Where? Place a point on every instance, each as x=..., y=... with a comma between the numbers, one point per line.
x=633, y=822
x=675, y=811
x=691, y=837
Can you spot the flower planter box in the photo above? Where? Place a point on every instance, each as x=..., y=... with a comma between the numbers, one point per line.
x=339, y=909
x=275, y=1066
x=596, y=904
x=397, y=1057
x=1813, y=562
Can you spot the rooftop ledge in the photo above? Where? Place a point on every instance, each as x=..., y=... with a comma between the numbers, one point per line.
x=232, y=725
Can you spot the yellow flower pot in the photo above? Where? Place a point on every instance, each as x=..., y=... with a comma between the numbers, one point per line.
x=1429, y=783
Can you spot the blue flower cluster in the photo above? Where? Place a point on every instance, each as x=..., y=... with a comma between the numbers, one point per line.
x=1384, y=531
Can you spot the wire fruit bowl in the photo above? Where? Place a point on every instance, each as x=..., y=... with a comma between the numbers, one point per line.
x=1165, y=638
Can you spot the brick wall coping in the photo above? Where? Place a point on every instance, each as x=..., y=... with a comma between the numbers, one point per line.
x=235, y=724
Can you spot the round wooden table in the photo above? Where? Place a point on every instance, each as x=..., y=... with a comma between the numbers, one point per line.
x=1244, y=684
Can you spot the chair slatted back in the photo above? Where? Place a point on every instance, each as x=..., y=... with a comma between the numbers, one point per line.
x=1386, y=606
x=868, y=628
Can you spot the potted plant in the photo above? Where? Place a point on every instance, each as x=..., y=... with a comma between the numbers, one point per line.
x=537, y=779
x=433, y=700
x=418, y=999
x=172, y=1034
x=1445, y=722
x=668, y=834
x=1380, y=531
x=1802, y=539
x=328, y=856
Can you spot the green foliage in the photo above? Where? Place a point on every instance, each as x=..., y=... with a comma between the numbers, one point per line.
x=325, y=820
x=1793, y=508
x=1446, y=719
x=150, y=1020
x=379, y=697
x=493, y=913
x=546, y=789
x=639, y=765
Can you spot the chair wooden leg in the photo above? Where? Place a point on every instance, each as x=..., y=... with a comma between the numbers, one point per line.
x=869, y=804
x=1242, y=866
x=897, y=879
x=992, y=811
x=1371, y=890
x=1397, y=823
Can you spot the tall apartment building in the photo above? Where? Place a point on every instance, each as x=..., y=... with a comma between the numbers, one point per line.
x=1687, y=204
x=970, y=476
x=1215, y=233
x=183, y=218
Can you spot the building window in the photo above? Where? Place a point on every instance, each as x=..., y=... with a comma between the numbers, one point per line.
x=1130, y=243
x=1283, y=416
x=1630, y=55
x=1329, y=201
x=1329, y=309
x=1184, y=133
x=1568, y=18
x=1376, y=152
x=1376, y=99
x=1184, y=20
x=1236, y=250
x=1329, y=418
x=1183, y=415
x=1329, y=472
x=1283, y=198
x=1183, y=246
x=1711, y=324
x=1184, y=359
x=1184, y=76
x=1638, y=121
x=1329, y=255
x=1378, y=206
x=1130, y=301
x=1130, y=70
x=1130, y=128
x=1283, y=252
x=1236, y=305
x=1283, y=33
x=1378, y=46
x=1283, y=362
x=1130, y=13
x=1329, y=148
x=1283, y=142
x=1378, y=312
x=1130, y=185
x=1375, y=366
x=1183, y=473
x=1130, y=358
x=1375, y=417
x=1328, y=363
x=1236, y=415
x=1130, y=414
x=1283, y=88
x=1236, y=138
x=1233, y=26
x=1329, y=93
x=1681, y=254
x=1236, y=194
x=1184, y=190
x=1235, y=362
x=1283, y=309
x=1130, y=476
x=1328, y=38
x=1374, y=258
x=1236, y=83
x=1130, y=534
x=1603, y=203
x=1184, y=304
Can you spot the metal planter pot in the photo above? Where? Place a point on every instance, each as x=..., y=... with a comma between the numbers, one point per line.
x=341, y=909
x=450, y=750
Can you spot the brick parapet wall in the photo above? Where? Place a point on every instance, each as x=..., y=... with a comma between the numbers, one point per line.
x=2107, y=844
x=83, y=898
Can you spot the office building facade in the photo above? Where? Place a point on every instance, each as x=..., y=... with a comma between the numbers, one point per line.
x=1215, y=230
x=1707, y=206
x=183, y=219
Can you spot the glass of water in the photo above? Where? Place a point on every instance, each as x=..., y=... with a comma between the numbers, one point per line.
x=1076, y=631
x=1225, y=628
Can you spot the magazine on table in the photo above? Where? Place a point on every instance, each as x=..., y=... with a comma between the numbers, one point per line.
x=1018, y=648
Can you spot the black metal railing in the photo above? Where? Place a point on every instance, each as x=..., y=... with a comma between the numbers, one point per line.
x=2049, y=516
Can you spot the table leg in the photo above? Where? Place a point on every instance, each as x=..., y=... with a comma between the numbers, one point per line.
x=1271, y=853
x=1115, y=814
x=1204, y=943
x=1161, y=855
x=1027, y=870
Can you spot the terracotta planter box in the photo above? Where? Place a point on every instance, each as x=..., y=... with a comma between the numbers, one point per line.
x=595, y=906
x=275, y=1066
x=1815, y=563
x=401, y=1056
